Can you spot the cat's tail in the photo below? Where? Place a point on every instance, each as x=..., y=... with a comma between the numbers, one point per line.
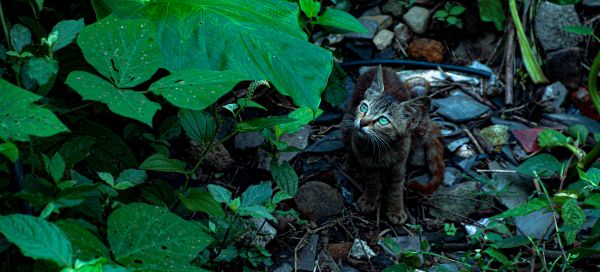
x=434, y=156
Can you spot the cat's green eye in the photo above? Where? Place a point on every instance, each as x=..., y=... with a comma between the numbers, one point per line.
x=364, y=108
x=384, y=121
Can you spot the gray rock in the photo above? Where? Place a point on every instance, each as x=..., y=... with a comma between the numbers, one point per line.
x=394, y=8
x=417, y=18
x=564, y=65
x=535, y=224
x=371, y=26
x=317, y=200
x=327, y=263
x=573, y=119
x=307, y=255
x=248, y=140
x=332, y=141
x=511, y=124
x=261, y=232
x=383, y=21
x=402, y=34
x=346, y=268
x=451, y=176
x=458, y=201
x=459, y=107
x=454, y=145
x=554, y=95
x=298, y=139
x=550, y=19
x=448, y=267
x=374, y=11
x=360, y=250
x=406, y=243
x=383, y=39
x=285, y=267
x=510, y=186
x=591, y=3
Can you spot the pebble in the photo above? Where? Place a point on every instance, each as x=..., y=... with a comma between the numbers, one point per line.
x=374, y=11
x=262, y=233
x=495, y=134
x=402, y=34
x=554, y=95
x=383, y=21
x=535, y=224
x=394, y=8
x=360, y=250
x=458, y=200
x=339, y=250
x=248, y=140
x=308, y=254
x=451, y=176
x=417, y=18
x=317, y=200
x=459, y=107
x=371, y=26
x=591, y=3
x=550, y=20
x=426, y=49
x=454, y=145
x=383, y=39
x=564, y=65
x=298, y=140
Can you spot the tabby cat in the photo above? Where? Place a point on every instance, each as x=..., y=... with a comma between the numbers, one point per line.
x=386, y=127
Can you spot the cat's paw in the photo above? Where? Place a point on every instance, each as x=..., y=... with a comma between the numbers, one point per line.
x=397, y=217
x=366, y=204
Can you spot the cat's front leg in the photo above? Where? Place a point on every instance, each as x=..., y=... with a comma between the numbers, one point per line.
x=370, y=196
x=396, y=212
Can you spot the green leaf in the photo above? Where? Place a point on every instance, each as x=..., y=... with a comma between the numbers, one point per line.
x=110, y=153
x=195, y=89
x=130, y=178
x=86, y=245
x=256, y=211
x=573, y=220
x=512, y=242
x=392, y=246
x=10, y=150
x=285, y=177
x=498, y=256
x=235, y=204
x=200, y=126
x=220, y=194
x=302, y=117
x=580, y=29
x=579, y=132
x=440, y=14
x=257, y=194
x=124, y=102
x=42, y=69
x=125, y=51
x=65, y=32
x=530, y=60
x=161, y=163
x=202, y=201
x=151, y=238
x=56, y=167
x=456, y=10
x=107, y=177
x=244, y=102
x=270, y=43
x=341, y=20
x=452, y=20
x=280, y=196
x=525, y=208
x=401, y=267
x=592, y=176
x=20, y=36
x=310, y=7
x=552, y=138
x=21, y=118
x=543, y=164
x=564, y=2
x=593, y=200
x=259, y=124
x=76, y=149
x=492, y=11
x=37, y=238
x=335, y=93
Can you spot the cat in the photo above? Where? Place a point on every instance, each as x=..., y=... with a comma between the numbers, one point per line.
x=386, y=127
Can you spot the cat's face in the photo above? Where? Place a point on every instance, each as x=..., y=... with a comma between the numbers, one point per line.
x=381, y=118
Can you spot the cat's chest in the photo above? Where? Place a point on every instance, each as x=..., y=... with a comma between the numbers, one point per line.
x=372, y=155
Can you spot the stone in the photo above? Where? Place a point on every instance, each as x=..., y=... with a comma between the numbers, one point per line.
x=383, y=21
x=331, y=142
x=510, y=188
x=406, y=243
x=574, y=119
x=360, y=250
x=317, y=200
x=457, y=202
x=550, y=19
x=447, y=267
x=308, y=254
x=374, y=11
x=495, y=134
x=383, y=39
x=261, y=232
x=591, y=3
x=417, y=18
x=386, y=54
x=361, y=47
x=511, y=124
x=339, y=250
x=402, y=34
x=535, y=224
x=346, y=268
x=427, y=49
x=248, y=140
x=465, y=151
x=454, y=145
x=298, y=140
x=459, y=107
x=554, y=95
x=334, y=38
x=451, y=176
x=481, y=48
x=371, y=26
x=327, y=263
x=564, y=65
x=394, y=8
x=285, y=267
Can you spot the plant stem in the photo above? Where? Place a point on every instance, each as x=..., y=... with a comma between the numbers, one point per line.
x=5, y=27
x=76, y=108
x=593, y=82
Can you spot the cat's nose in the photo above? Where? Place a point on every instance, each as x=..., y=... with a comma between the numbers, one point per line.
x=364, y=123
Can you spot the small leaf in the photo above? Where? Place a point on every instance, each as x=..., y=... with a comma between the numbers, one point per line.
x=202, y=201
x=256, y=211
x=525, y=208
x=552, y=138
x=341, y=20
x=200, y=126
x=592, y=176
x=593, y=200
x=259, y=124
x=20, y=37
x=452, y=20
x=280, y=196
x=512, y=242
x=107, y=177
x=543, y=164
x=257, y=194
x=579, y=132
x=37, y=238
x=573, y=220
x=310, y=7
x=302, y=117
x=244, y=102
x=10, y=150
x=66, y=31
x=235, y=204
x=86, y=245
x=56, y=167
x=130, y=178
x=498, y=256
x=285, y=177
x=42, y=69
x=76, y=149
x=161, y=163
x=440, y=14
x=456, y=10
x=220, y=194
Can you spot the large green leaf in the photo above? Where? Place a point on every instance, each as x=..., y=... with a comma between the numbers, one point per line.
x=65, y=32
x=525, y=208
x=261, y=39
x=110, y=153
x=21, y=118
x=573, y=220
x=86, y=245
x=202, y=201
x=195, y=89
x=151, y=238
x=20, y=36
x=124, y=51
x=285, y=177
x=124, y=102
x=200, y=126
x=37, y=238
x=161, y=163
x=10, y=150
x=76, y=149
x=542, y=164
x=341, y=20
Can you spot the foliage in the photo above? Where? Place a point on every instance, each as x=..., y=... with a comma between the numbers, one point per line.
x=450, y=14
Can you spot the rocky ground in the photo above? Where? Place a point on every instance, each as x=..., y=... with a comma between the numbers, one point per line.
x=490, y=126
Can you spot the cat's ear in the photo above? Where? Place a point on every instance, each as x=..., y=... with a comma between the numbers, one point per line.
x=416, y=109
x=376, y=87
